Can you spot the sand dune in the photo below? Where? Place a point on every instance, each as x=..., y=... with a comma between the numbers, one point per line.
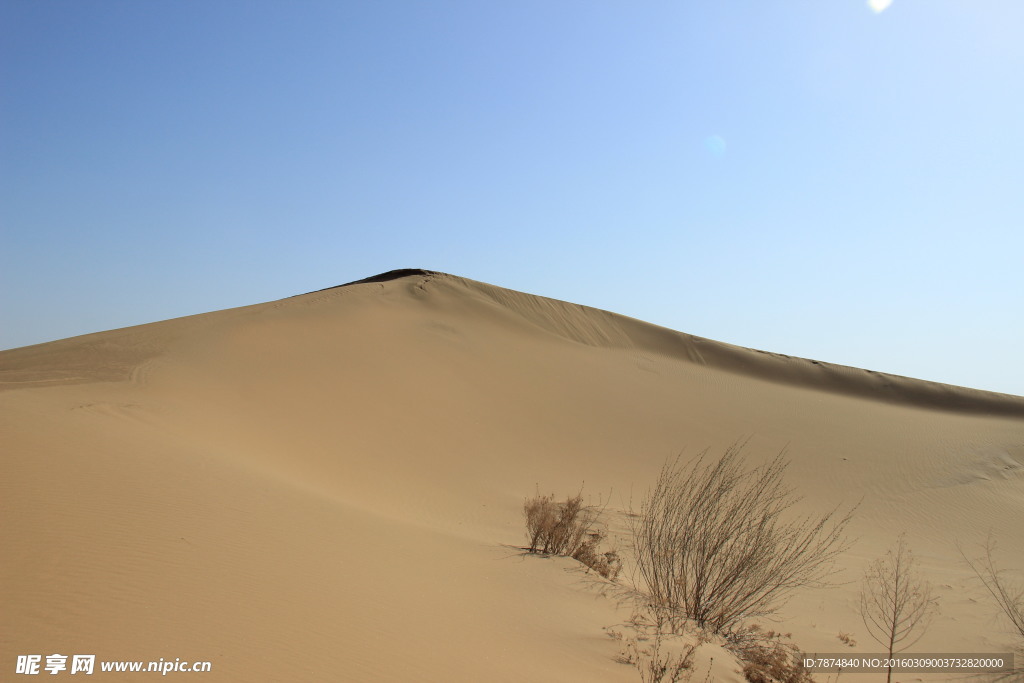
x=329, y=487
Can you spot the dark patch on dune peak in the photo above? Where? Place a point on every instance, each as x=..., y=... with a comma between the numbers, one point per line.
x=383, y=277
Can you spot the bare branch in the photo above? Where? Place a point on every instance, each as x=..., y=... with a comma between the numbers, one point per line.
x=1009, y=596
x=896, y=604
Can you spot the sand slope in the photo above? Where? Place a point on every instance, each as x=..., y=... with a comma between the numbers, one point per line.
x=328, y=487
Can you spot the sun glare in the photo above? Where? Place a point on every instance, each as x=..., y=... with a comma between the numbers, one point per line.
x=715, y=145
x=879, y=5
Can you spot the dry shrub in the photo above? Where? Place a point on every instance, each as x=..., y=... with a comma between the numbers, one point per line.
x=712, y=545
x=768, y=657
x=655, y=662
x=608, y=563
x=541, y=513
x=847, y=639
x=558, y=528
x=569, y=528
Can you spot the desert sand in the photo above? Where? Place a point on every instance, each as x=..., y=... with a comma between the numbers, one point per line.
x=329, y=487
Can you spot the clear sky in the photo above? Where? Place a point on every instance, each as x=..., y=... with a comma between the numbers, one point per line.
x=839, y=180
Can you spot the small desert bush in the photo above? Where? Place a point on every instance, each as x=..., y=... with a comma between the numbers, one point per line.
x=557, y=528
x=767, y=656
x=653, y=660
x=608, y=563
x=541, y=513
x=847, y=639
x=569, y=528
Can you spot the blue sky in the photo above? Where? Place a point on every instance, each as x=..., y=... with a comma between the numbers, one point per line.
x=820, y=179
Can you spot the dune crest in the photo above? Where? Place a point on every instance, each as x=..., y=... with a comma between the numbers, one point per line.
x=112, y=354
x=596, y=327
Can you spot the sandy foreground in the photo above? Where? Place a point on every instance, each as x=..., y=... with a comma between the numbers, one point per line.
x=329, y=487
